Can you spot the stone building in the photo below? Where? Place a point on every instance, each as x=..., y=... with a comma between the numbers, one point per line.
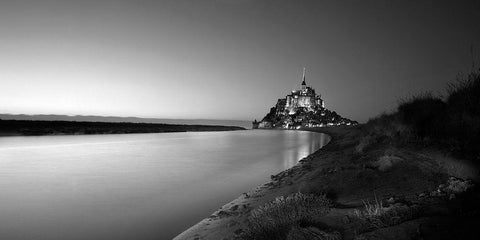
x=304, y=98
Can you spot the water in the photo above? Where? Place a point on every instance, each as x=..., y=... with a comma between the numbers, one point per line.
x=134, y=186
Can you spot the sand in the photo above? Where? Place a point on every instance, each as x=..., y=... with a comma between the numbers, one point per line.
x=349, y=173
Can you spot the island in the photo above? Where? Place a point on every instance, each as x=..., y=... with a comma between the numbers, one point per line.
x=303, y=108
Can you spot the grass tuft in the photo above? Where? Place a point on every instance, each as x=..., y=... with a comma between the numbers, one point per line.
x=275, y=219
x=374, y=209
x=375, y=215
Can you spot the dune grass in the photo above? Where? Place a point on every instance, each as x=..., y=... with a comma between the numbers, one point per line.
x=275, y=219
x=375, y=215
x=451, y=123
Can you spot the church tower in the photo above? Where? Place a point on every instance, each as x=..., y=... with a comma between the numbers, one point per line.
x=304, y=85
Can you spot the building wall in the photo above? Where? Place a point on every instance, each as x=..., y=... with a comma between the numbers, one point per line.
x=264, y=124
x=305, y=101
x=288, y=102
x=300, y=98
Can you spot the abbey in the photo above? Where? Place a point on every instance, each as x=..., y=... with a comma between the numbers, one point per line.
x=303, y=98
x=301, y=108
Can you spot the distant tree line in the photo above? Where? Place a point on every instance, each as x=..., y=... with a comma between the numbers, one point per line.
x=31, y=128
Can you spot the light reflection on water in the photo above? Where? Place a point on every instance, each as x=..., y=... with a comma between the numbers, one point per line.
x=293, y=154
x=134, y=186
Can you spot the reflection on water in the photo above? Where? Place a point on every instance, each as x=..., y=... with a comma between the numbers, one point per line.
x=310, y=145
x=135, y=186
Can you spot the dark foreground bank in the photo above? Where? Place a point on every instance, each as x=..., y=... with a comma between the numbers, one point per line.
x=36, y=128
x=409, y=174
x=356, y=187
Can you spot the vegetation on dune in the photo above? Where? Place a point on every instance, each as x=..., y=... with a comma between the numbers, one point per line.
x=452, y=124
x=275, y=219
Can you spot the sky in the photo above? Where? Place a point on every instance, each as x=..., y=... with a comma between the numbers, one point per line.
x=228, y=59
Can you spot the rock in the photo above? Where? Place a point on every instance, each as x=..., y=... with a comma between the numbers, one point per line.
x=238, y=231
x=311, y=233
x=451, y=197
x=406, y=230
x=245, y=207
x=384, y=163
x=455, y=185
x=222, y=214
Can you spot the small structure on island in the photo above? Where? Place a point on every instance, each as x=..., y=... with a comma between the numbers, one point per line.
x=301, y=108
x=255, y=124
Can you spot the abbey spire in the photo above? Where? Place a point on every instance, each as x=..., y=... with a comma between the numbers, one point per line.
x=304, y=85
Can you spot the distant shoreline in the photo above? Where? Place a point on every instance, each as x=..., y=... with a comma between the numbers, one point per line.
x=41, y=128
x=117, y=119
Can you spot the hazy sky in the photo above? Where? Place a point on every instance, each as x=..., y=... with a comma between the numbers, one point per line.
x=227, y=59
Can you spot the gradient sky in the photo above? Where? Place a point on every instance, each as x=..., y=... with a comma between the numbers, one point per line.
x=227, y=59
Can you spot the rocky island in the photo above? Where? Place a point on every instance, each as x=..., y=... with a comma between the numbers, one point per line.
x=301, y=108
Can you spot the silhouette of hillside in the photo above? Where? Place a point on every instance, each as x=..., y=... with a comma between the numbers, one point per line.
x=29, y=128
x=451, y=124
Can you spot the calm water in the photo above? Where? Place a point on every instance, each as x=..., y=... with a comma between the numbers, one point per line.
x=135, y=186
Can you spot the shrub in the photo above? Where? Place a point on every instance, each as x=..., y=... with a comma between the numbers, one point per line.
x=384, y=129
x=275, y=219
x=375, y=215
x=464, y=94
x=424, y=113
x=424, y=119
x=463, y=111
